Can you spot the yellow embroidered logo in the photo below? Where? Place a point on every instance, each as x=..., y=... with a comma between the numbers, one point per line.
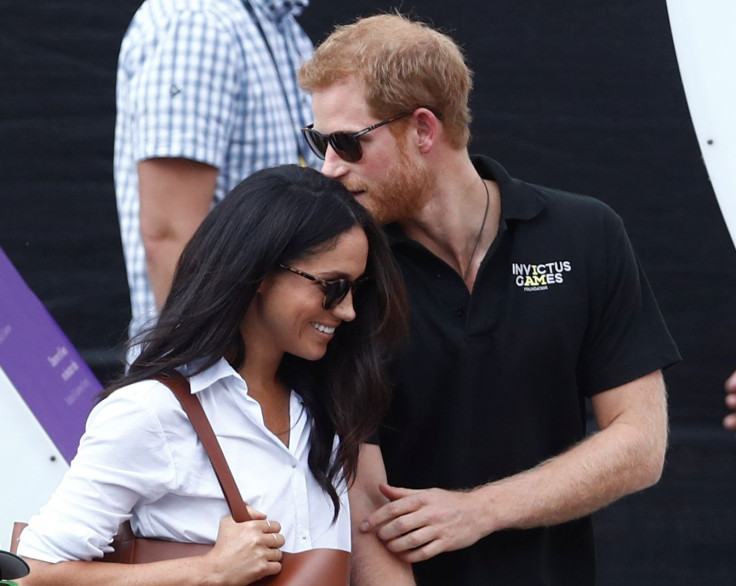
x=539, y=277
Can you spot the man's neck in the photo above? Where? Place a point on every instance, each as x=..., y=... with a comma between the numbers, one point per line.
x=450, y=224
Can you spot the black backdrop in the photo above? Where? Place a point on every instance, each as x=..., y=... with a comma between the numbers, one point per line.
x=583, y=95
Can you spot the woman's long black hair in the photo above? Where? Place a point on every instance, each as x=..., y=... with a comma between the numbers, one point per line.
x=278, y=216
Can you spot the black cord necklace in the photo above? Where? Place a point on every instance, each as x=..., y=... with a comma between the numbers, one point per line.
x=480, y=232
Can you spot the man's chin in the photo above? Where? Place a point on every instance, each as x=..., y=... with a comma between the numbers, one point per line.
x=364, y=199
x=380, y=215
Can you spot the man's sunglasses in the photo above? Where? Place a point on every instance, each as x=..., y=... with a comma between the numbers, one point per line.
x=345, y=144
x=335, y=291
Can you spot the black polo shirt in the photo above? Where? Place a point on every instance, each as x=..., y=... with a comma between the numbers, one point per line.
x=494, y=383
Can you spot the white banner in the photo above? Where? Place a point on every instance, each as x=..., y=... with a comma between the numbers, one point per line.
x=32, y=466
x=704, y=33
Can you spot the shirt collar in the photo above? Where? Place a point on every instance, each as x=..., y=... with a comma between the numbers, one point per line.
x=218, y=371
x=519, y=200
x=278, y=9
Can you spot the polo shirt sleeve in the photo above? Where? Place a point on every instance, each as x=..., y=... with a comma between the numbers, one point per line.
x=123, y=457
x=627, y=337
x=185, y=94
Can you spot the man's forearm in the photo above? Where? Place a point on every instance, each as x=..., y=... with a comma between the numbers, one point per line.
x=625, y=456
x=595, y=473
x=175, y=196
x=162, y=255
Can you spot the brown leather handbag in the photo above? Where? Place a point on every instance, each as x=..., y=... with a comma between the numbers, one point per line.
x=315, y=567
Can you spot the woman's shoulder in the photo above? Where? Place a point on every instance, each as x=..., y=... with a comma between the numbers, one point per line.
x=147, y=399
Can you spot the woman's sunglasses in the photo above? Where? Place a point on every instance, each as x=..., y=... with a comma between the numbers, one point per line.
x=335, y=291
x=345, y=144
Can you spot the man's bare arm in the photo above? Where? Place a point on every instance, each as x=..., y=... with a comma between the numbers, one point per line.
x=626, y=455
x=175, y=196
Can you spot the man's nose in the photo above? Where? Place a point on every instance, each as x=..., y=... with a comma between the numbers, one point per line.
x=333, y=166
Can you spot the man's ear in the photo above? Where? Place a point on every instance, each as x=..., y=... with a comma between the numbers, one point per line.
x=428, y=129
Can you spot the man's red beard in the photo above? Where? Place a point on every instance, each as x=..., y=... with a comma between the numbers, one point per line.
x=400, y=194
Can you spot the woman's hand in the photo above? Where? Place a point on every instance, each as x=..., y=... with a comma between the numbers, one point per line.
x=246, y=552
x=243, y=553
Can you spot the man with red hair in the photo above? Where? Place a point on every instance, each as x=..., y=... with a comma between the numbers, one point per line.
x=526, y=303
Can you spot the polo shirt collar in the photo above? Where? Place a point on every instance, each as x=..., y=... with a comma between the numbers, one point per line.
x=519, y=200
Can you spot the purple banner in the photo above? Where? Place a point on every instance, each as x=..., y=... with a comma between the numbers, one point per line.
x=39, y=360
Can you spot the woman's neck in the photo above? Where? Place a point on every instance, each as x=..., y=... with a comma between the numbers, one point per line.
x=265, y=386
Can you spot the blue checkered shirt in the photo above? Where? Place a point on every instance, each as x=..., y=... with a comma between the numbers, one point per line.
x=196, y=80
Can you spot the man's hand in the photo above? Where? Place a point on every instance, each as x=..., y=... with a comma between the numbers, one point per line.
x=729, y=422
x=419, y=524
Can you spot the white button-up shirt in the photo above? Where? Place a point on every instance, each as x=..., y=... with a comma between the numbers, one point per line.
x=140, y=459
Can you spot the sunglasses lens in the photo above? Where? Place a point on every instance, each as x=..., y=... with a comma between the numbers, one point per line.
x=346, y=146
x=335, y=292
x=316, y=141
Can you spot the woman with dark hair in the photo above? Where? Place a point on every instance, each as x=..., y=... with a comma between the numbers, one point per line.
x=282, y=308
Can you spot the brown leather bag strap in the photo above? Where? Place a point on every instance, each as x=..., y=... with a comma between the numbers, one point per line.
x=193, y=408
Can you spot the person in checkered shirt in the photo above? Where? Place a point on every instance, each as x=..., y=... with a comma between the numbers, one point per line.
x=206, y=95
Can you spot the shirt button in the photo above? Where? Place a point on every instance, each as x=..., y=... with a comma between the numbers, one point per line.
x=293, y=464
x=303, y=537
x=459, y=312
